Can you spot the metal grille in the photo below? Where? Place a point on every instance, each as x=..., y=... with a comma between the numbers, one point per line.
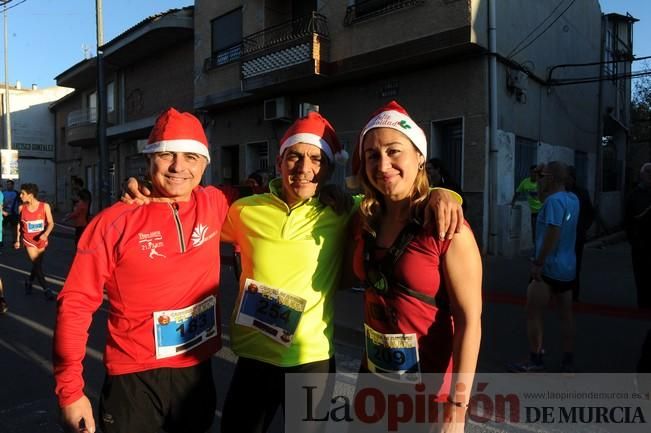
x=276, y=60
x=286, y=32
x=364, y=9
x=448, y=140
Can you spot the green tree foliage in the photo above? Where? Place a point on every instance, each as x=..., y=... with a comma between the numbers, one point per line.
x=641, y=109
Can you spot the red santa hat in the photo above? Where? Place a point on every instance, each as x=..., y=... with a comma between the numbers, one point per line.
x=177, y=132
x=393, y=116
x=314, y=129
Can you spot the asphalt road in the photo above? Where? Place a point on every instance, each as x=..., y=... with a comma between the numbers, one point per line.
x=27, y=403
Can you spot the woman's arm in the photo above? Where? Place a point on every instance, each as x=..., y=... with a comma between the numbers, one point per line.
x=463, y=276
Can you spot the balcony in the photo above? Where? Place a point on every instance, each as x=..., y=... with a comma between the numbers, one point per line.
x=81, y=127
x=283, y=54
x=365, y=9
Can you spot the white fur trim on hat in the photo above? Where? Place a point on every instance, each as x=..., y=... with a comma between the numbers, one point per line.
x=400, y=122
x=306, y=137
x=181, y=145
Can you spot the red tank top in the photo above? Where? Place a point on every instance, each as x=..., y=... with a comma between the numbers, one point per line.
x=418, y=269
x=32, y=225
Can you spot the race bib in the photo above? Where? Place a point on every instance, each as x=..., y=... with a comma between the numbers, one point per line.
x=177, y=331
x=271, y=311
x=392, y=355
x=35, y=226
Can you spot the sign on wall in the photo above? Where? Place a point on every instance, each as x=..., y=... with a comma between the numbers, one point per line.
x=38, y=150
x=9, y=161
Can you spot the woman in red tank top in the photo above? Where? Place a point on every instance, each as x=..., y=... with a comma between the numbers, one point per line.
x=422, y=303
x=36, y=224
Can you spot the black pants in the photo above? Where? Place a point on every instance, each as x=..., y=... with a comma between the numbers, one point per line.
x=642, y=271
x=534, y=218
x=258, y=389
x=37, y=272
x=178, y=400
x=578, y=250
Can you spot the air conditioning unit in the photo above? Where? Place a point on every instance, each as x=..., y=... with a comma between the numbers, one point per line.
x=276, y=108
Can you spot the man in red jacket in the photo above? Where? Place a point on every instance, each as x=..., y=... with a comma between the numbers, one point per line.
x=163, y=324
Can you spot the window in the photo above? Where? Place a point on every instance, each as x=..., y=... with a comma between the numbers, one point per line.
x=611, y=168
x=226, y=38
x=303, y=8
x=110, y=97
x=447, y=145
x=92, y=107
x=365, y=7
x=258, y=156
x=610, y=69
x=581, y=167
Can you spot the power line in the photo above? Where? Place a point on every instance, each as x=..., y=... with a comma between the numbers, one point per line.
x=536, y=28
x=11, y=7
x=544, y=30
x=586, y=80
x=578, y=65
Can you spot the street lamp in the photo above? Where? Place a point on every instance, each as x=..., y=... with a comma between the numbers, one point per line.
x=104, y=189
x=4, y=3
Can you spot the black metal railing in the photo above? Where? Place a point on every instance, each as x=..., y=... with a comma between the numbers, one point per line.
x=83, y=116
x=285, y=32
x=223, y=57
x=364, y=9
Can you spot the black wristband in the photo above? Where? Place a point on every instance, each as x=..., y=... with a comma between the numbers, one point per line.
x=457, y=403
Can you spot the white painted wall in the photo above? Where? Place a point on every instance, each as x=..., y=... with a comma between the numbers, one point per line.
x=41, y=172
x=33, y=135
x=514, y=227
x=32, y=123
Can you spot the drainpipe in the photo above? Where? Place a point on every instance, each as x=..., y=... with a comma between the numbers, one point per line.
x=490, y=199
x=598, y=186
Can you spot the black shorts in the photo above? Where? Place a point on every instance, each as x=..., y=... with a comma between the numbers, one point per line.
x=558, y=286
x=258, y=389
x=174, y=399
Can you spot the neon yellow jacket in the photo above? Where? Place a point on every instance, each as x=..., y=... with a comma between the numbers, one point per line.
x=299, y=250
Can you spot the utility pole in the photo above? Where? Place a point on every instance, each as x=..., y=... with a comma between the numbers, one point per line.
x=103, y=166
x=6, y=99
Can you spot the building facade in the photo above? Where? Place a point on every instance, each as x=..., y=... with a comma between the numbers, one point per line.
x=497, y=86
x=492, y=102
x=147, y=69
x=33, y=135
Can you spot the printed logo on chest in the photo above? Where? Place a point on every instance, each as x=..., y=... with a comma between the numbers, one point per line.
x=200, y=235
x=150, y=243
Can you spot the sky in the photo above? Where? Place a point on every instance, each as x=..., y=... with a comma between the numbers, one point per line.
x=640, y=9
x=46, y=37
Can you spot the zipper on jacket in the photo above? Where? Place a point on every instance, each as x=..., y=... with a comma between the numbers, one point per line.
x=179, y=227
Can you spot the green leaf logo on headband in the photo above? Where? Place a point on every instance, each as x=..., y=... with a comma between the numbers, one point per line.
x=404, y=125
